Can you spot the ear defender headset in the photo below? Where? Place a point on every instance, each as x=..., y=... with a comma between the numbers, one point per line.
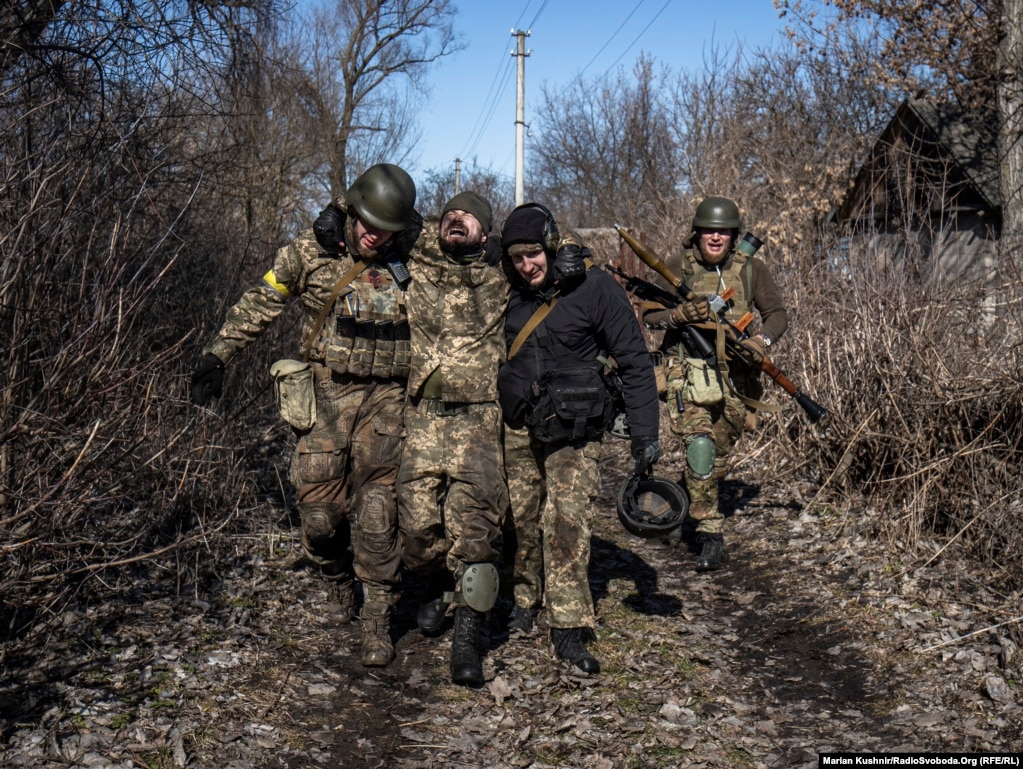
x=551, y=236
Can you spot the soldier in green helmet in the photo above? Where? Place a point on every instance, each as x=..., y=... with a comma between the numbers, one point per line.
x=709, y=406
x=345, y=399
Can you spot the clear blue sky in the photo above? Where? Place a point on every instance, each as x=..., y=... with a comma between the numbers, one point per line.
x=471, y=110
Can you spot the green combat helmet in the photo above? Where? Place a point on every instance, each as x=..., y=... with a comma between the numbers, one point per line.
x=717, y=213
x=384, y=197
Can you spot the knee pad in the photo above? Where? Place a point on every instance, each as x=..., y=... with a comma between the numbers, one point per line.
x=700, y=453
x=319, y=521
x=377, y=512
x=480, y=584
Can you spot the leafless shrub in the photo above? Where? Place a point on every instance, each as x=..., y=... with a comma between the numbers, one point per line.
x=106, y=474
x=923, y=440
x=153, y=157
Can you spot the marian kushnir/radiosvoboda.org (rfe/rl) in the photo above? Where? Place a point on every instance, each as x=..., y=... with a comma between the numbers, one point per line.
x=920, y=759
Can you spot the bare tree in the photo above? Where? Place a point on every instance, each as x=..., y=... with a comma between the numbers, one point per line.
x=368, y=59
x=970, y=51
x=110, y=141
x=21, y=25
x=439, y=187
x=778, y=130
x=603, y=147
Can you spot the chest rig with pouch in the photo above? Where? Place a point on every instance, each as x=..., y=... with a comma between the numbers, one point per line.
x=365, y=330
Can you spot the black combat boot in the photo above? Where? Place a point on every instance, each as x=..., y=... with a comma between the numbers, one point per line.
x=712, y=553
x=521, y=619
x=568, y=645
x=466, y=664
x=434, y=608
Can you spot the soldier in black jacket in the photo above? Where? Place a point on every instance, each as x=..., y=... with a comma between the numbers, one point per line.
x=563, y=322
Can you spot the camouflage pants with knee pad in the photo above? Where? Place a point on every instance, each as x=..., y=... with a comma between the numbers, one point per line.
x=451, y=487
x=344, y=470
x=723, y=424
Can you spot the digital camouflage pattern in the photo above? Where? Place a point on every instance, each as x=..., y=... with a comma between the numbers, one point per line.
x=553, y=528
x=456, y=315
x=526, y=495
x=451, y=487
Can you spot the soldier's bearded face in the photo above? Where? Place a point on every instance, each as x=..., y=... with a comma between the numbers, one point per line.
x=714, y=244
x=461, y=233
x=369, y=237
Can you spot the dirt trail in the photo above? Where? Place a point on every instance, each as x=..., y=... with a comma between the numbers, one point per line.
x=808, y=641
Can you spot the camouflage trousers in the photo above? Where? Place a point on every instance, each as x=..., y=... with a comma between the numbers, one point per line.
x=552, y=489
x=723, y=423
x=451, y=487
x=344, y=469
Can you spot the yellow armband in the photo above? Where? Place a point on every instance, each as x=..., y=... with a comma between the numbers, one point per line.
x=271, y=280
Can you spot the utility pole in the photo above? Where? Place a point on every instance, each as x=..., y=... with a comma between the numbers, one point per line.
x=458, y=175
x=520, y=116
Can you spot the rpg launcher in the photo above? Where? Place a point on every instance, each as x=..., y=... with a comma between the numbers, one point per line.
x=692, y=339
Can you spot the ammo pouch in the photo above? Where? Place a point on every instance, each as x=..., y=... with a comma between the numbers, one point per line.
x=569, y=405
x=296, y=394
x=702, y=383
x=363, y=347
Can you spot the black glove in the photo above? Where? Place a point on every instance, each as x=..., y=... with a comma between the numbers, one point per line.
x=329, y=228
x=570, y=262
x=645, y=452
x=208, y=377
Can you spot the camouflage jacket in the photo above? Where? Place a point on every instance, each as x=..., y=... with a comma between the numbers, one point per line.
x=750, y=278
x=307, y=270
x=456, y=315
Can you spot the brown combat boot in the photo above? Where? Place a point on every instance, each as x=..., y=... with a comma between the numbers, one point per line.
x=377, y=648
x=341, y=596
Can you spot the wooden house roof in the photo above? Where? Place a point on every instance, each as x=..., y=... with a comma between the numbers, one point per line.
x=943, y=139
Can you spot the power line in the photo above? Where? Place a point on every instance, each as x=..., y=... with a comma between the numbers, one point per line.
x=533, y=22
x=499, y=76
x=504, y=69
x=493, y=107
x=636, y=40
x=613, y=36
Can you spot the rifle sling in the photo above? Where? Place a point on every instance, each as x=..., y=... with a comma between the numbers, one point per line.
x=723, y=365
x=347, y=278
x=534, y=320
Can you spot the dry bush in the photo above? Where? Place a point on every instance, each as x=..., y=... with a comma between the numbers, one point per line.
x=923, y=439
x=109, y=480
